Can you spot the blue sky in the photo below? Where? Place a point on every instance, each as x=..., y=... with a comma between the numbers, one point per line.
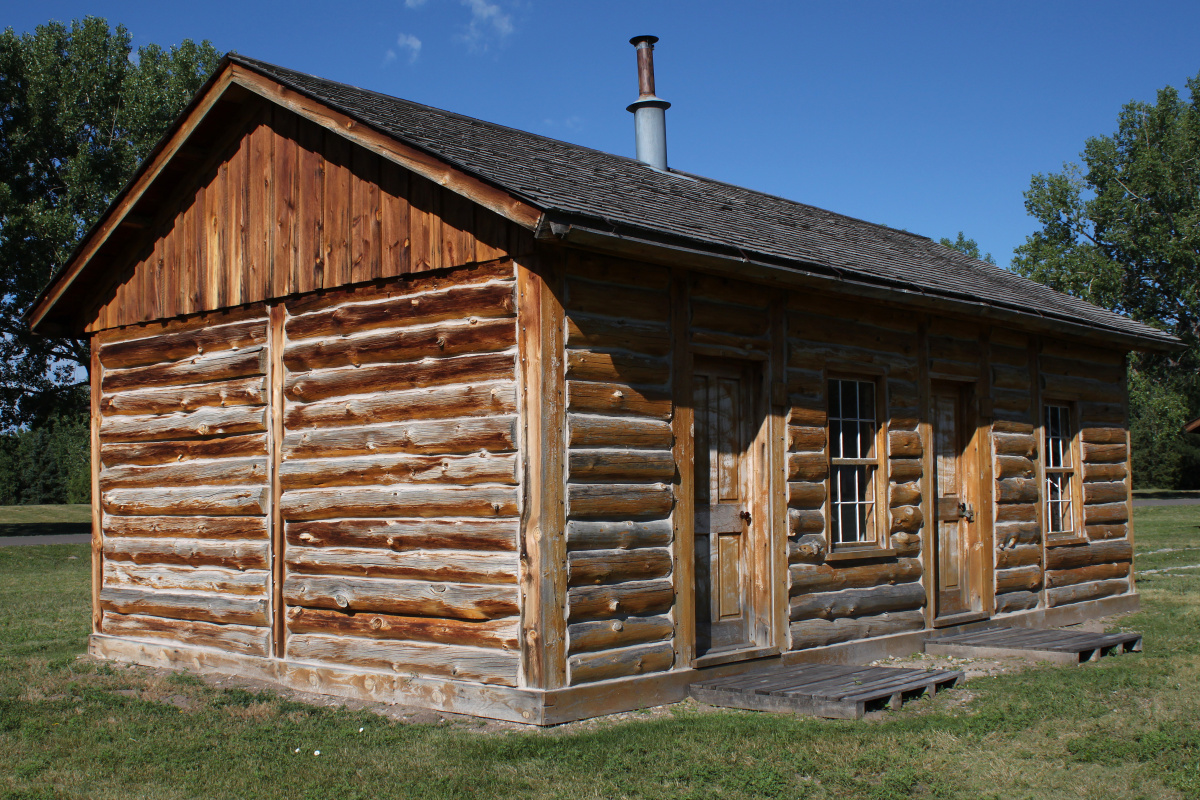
x=928, y=116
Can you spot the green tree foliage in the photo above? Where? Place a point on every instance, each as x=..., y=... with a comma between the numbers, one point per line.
x=46, y=464
x=1122, y=230
x=78, y=112
x=969, y=246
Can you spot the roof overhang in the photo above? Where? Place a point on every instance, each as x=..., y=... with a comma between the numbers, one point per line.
x=60, y=308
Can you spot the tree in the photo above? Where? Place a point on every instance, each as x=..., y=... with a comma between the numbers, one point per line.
x=77, y=115
x=968, y=246
x=1122, y=230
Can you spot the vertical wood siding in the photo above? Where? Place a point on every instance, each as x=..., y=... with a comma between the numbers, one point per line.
x=621, y=469
x=290, y=207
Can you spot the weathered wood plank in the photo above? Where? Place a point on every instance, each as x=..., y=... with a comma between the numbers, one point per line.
x=220, y=366
x=608, y=664
x=619, y=500
x=323, y=384
x=821, y=632
x=239, y=392
x=585, y=331
x=1019, y=556
x=588, y=430
x=499, y=634
x=187, y=527
x=1016, y=601
x=213, y=501
x=858, y=602
x=407, y=598
x=1017, y=490
x=489, y=398
x=244, y=471
x=192, y=552
x=479, y=534
x=596, y=567
x=588, y=637
x=155, y=349
x=483, y=665
x=399, y=500
x=1107, y=492
x=616, y=301
x=609, y=601
x=190, y=425
x=402, y=344
x=807, y=466
x=188, y=579
x=453, y=566
x=243, y=639
x=618, y=398
x=626, y=466
x=1083, y=555
x=617, y=367
x=1106, y=513
x=384, y=470
x=452, y=436
x=1095, y=572
x=624, y=534
x=202, y=607
x=1080, y=592
x=1027, y=578
x=812, y=578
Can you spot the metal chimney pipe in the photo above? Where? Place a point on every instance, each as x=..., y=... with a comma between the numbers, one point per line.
x=649, y=112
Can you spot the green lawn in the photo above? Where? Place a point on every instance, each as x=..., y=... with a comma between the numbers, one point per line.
x=1126, y=727
x=41, y=520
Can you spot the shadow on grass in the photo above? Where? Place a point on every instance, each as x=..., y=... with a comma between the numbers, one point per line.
x=43, y=528
x=1166, y=494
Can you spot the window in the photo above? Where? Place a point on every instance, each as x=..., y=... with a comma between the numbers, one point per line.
x=1059, y=469
x=853, y=463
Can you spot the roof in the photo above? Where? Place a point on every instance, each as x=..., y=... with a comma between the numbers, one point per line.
x=620, y=196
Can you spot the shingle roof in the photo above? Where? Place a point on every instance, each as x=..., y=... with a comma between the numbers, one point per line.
x=625, y=195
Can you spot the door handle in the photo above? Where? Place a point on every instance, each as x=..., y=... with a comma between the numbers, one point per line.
x=745, y=515
x=966, y=511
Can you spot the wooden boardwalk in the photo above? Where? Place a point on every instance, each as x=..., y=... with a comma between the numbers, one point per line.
x=823, y=690
x=1057, y=646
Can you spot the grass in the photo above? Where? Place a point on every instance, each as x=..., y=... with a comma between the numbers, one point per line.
x=43, y=520
x=1127, y=727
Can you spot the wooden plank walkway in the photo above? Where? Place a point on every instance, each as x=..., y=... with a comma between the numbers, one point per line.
x=1057, y=646
x=823, y=690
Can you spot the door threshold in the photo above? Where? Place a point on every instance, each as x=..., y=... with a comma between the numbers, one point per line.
x=959, y=619
x=728, y=656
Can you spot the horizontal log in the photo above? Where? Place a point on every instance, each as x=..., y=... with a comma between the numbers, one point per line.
x=206, y=501
x=623, y=534
x=244, y=639
x=384, y=470
x=617, y=367
x=728, y=318
x=905, y=469
x=618, y=398
x=807, y=466
x=402, y=344
x=407, y=598
x=808, y=414
x=806, y=496
x=1106, y=492
x=323, y=384
x=609, y=300
x=626, y=466
x=809, y=548
x=1099, y=532
x=188, y=425
x=186, y=579
x=1027, y=579
x=1104, y=453
x=502, y=634
x=1093, y=390
x=449, y=566
x=1017, y=490
x=619, y=500
x=1011, y=534
x=821, y=632
x=1017, y=512
x=1015, y=467
x=1012, y=405
x=1106, y=513
x=221, y=366
x=1023, y=555
x=589, y=430
x=624, y=662
x=585, y=331
x=146, y=453
x=185, y=344
x=192, y=552
x=589, y=637
x=858, y=602
x=1096, y=572
x=904, y=494
x=806, y=438
x=1010, y=377
x=443, y=436
x=955, y=349
x=801, y=522
x=201, y=607
x=487, y=398
x=1072, y=367
x=812, y=578
x=488, y=300
x=221, y=394
x=400, y=501
x=607, y=269
x=1103, y=414
x=413, y=285
x=187, y=527
x=218, y=472
x=1106, y=435
x=406, y=534
x=906, y=545
x=478, y=664
x=1105, y=472
x=904, y=444
x=1021, y=427
x=1016, y=601
x=594, y=567
x=1014, y=444
x=1081, y=592
x=813, y=326
x=906, y=519
x=1085, y=555
x=619, y=600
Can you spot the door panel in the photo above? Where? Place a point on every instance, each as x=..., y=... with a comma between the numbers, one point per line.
x=955, y=529
x=728, y=417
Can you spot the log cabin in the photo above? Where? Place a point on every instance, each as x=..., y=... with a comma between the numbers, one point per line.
x=395, y=404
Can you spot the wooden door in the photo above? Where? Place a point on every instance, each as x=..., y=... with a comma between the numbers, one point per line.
x=956, y=484
x=728, y=419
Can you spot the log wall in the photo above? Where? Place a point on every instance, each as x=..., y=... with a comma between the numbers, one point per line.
x=620, y=469
x=834, y=600
x=285, y=207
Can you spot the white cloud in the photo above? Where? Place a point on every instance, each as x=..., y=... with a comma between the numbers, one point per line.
x=405, y=41
x=488, y=21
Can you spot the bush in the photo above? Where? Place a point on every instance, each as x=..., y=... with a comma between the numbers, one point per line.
x=47, y=464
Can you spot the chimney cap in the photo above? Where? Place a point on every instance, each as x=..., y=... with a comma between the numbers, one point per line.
x=647, y=39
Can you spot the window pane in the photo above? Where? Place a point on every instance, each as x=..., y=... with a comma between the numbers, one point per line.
x=835, y=437
x=866, y=401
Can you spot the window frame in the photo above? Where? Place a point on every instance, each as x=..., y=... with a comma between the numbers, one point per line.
x=877, y=541
x=1071, y=448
